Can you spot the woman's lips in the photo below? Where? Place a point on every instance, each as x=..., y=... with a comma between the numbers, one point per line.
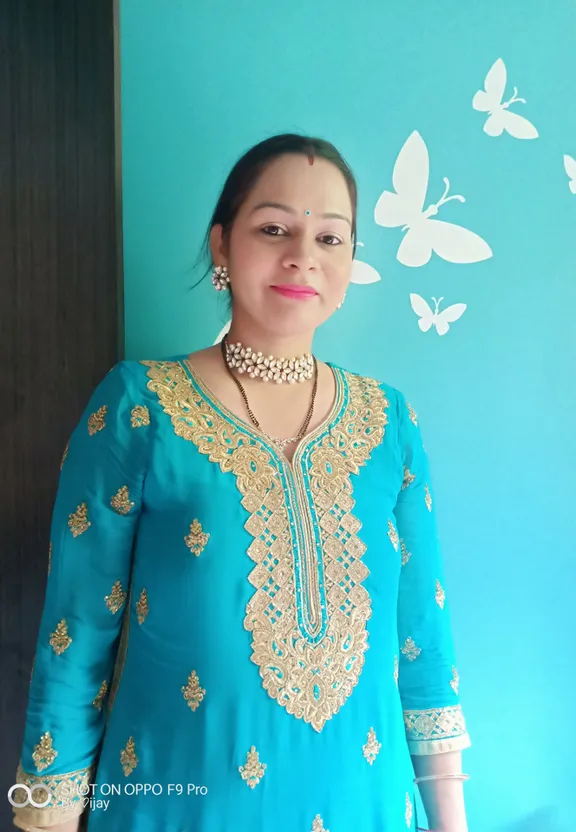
x=291, y=290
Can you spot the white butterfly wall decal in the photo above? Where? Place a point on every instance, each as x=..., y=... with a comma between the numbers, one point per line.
x=406, y=208
x=489, y=100
x=363, y=273
x=570, y=168
x=441, y=320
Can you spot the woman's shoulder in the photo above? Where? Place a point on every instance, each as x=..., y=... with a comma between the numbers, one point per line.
x=135, y=367
x=392, y=394
x=132, y=375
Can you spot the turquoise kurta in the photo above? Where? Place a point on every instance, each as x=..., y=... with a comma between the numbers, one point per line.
x=233, y=643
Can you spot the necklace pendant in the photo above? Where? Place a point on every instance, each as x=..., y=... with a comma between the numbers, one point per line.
x=289, y=374
x=281, y=443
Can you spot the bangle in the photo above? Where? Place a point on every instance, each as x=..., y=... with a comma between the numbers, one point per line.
x=442, y=777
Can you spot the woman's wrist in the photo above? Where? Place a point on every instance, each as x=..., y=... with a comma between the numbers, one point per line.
x=444, y=804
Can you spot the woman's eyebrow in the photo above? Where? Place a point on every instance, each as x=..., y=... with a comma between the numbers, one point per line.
x=288, y=209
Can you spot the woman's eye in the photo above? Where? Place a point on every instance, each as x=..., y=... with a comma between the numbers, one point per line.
x=277, y=231
x=271, y=229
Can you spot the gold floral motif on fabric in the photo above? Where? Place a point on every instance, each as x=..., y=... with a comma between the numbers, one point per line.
x=455, y=681
x=372, y=747
x=413, y=416
x=64, y=455
x=44, y=753
x=428, y=497
x=60, y=640
x=309, y=610
x=140, y=416
x=142, y=608
x=406, y=555
x=120, y=502
x=97, y=421
x=408, y=478
x=393, y=534
x=434, y=723
x=99, y=700
x=318, y=825
x=253, y=770
x=78, y=520
x=410, y=650
x=116, y=599
x=193, y=693
x=440, y=595
x=409, y=810
x=128, y=757
x=197, y=539
x=66, y=790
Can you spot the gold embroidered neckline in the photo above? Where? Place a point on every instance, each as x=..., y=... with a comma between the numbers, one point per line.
x=217, y=404
x=307, y=616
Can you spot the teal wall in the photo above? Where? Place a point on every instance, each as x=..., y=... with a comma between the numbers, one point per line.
x=205, y=79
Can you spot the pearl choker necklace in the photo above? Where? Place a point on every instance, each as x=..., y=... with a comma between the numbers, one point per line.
x=256, y=365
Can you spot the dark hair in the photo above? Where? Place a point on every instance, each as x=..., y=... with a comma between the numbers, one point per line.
x=252, y=164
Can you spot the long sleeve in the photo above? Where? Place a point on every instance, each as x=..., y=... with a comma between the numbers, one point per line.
x=93, y=527
x=427, y=676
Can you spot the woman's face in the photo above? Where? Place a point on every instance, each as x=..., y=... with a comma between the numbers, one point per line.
x=289, y=254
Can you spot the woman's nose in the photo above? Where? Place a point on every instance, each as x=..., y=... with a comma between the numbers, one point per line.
x=301, y=257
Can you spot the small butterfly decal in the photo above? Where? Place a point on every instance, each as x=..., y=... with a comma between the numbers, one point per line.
x=570, y=168
x=406, y=208
x=363, y=273
x=489, y=100
x=223, y=332
x=429, y=318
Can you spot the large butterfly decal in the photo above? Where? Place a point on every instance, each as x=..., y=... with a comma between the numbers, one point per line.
x=405, y=208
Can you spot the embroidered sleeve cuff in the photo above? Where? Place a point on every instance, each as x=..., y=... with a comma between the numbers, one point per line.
x=62, y=794
x=436, y=730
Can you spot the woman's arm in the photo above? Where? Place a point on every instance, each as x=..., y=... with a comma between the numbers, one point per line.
x=443, y=799
x=93, y=526
x=427, y=676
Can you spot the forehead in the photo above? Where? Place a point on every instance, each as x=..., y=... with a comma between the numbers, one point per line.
x=291, y=179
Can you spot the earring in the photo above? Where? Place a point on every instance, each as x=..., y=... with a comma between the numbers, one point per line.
x=341, y=304
x=220, y=279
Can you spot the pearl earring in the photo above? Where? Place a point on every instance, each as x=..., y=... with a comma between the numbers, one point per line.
x=220, y=279
x=341, y=304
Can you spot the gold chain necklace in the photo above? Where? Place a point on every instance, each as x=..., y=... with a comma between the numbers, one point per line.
x=280, y=443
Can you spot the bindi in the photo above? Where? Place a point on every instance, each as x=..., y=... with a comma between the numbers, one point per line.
x=307, y=212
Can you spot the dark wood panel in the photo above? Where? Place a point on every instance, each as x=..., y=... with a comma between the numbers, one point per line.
x=60, y=293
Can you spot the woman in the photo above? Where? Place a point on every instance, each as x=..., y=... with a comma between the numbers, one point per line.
x=270, y=549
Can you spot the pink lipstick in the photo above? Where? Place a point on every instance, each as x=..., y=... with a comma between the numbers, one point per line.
x=293, y=290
